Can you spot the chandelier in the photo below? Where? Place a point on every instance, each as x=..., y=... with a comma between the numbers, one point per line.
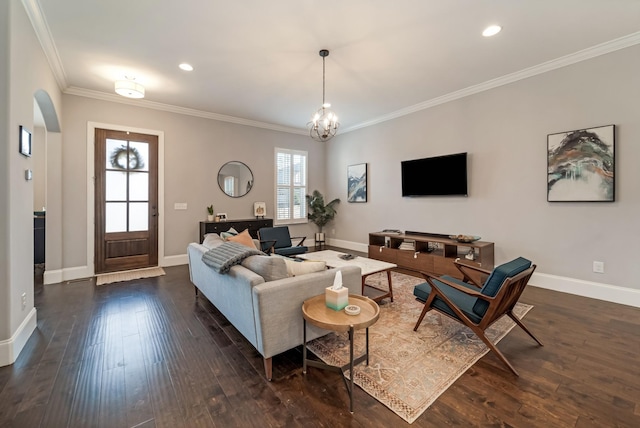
x=324, y=123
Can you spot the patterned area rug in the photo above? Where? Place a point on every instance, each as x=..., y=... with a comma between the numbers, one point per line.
x=409, y=370
x=128, y=275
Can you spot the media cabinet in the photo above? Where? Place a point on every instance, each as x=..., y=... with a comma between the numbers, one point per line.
x=434, y=253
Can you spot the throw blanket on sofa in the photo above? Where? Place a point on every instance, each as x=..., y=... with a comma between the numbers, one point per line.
x=221, y=258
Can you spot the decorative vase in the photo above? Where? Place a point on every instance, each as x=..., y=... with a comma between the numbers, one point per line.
x=210, y=217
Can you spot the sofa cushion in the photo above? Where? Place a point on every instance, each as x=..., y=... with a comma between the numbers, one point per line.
x=464, y=301
x=222, y=258
x=270, y=268
x=497, y=278
x=228, y=233
x=295, y=268
x=243, y=238
x=212, y=240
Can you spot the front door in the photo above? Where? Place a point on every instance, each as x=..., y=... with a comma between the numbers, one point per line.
x=126, y=200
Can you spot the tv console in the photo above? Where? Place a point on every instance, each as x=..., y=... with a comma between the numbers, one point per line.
x=431, y=252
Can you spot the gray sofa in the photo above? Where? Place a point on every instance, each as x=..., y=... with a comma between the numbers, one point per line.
x=267, y=313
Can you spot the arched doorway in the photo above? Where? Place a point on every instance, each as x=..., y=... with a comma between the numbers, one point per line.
x=47, y=185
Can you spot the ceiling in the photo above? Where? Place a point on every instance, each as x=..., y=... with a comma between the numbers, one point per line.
x=257, y=62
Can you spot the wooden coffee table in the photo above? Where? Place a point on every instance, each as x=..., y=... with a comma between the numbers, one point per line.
x=316, y=312
x=366, y=265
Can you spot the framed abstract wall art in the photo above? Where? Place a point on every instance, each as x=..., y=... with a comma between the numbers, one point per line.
x=357, y=183
x=581, y=165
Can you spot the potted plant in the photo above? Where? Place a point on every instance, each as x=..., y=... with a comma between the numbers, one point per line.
x=210, y=213
x=319, y=213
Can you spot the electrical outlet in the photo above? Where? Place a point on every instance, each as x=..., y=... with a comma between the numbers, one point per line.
x=598, y=267
x=24, y=300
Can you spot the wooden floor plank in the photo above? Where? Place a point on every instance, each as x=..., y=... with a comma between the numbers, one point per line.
x=147, y=353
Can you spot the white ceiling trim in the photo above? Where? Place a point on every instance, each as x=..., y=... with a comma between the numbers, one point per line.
x=180, y=110
x=41, y=28
x=585, y=54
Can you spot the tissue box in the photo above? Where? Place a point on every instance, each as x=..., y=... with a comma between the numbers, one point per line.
x=337, y=299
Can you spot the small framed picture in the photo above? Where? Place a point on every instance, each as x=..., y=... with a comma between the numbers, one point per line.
x=259, y=209
x=222, y=216
x=25, y=141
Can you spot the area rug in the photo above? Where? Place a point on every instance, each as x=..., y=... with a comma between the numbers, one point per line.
x=128, y=275
x=409, y=370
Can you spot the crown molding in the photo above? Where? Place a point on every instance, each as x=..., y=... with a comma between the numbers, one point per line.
x=41, y=28
x=89, y=93
x=583, y=55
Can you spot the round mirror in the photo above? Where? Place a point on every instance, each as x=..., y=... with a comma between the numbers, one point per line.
x=235, y=179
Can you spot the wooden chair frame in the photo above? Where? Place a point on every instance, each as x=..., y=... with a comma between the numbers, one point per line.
x=502, y=304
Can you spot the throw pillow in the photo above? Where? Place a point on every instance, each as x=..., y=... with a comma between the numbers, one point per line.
x=228, y=233
x=212, y=240
x=270, y=268
x=243, y=238
x=303, y=268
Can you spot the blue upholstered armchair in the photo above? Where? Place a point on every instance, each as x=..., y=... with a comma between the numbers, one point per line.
x=278, y=240
x=478, y=305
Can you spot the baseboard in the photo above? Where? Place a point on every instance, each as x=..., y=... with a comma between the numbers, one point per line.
x=66, y=274
x=80, y=272
x=355, y=246
x=593, y=290
x=11, y=348
x=180, y=259
x=52, y=276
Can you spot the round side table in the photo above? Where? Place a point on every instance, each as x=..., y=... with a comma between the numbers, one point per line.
x=316, y=312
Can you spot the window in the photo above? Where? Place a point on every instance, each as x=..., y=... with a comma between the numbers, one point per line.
x=229, y=185
x=291, y=186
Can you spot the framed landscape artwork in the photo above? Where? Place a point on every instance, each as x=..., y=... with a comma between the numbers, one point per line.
x=581, y=165
x=357, y=183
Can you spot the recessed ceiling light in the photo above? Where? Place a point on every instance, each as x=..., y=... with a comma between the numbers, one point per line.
x=491, y=30
x=186, y=67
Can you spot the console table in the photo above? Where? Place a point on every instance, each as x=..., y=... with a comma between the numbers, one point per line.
x=222, y=226
x=433, y=253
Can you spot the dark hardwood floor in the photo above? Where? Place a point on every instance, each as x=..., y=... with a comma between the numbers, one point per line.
x=147, y=354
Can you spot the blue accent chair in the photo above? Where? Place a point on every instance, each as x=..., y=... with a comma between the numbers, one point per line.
x=277, y=240
x=474, y=304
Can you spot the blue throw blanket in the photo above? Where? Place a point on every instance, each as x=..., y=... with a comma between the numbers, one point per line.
x=221, y=258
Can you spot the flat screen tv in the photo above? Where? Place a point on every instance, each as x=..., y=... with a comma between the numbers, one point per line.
x=435, y=176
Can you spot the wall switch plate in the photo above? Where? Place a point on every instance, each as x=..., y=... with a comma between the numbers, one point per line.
x=180, y=206
x=24, y=300
x=598, y=267
x=28, y=174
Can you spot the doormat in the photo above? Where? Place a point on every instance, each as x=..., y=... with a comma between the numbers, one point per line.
x=128, y=275
x=409, y=370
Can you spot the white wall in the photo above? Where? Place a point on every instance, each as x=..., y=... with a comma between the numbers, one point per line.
x=504, y=130
x=39, y=162
x=5, y=249
x=24, y=70
x=195, y=149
